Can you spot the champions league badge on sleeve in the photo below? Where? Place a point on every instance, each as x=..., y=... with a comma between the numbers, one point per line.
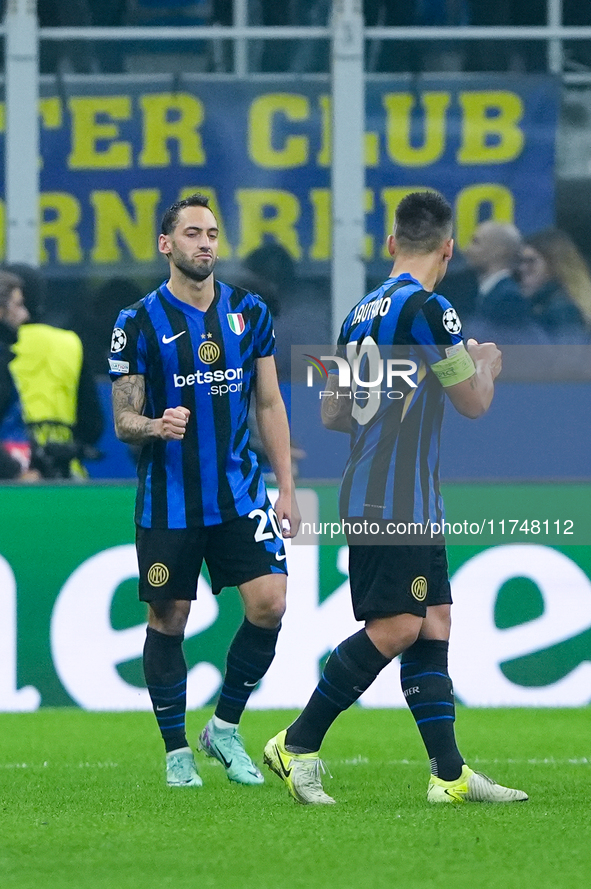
x=118, y=340
x=451, y=322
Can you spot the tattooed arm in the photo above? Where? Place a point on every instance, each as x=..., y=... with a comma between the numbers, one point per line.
x=336, y=407
x=129, y=399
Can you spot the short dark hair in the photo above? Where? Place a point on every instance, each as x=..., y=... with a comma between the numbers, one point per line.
x=8, y=283
x=422, y=222
x=171, y=216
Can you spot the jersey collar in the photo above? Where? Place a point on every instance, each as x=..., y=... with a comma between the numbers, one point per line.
x=405, y=276
x=187, y=307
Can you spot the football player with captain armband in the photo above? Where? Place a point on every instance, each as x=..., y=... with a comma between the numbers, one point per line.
x=399, y=585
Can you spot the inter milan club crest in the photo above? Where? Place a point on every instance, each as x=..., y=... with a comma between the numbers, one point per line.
x=419, y=588
x=209, y=352
x=236, y=322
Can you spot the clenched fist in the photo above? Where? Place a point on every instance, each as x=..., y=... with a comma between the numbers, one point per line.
x=488, y=353
x=174, y=423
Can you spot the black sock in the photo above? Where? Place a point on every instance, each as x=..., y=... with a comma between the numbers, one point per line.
x=429, y=694
x=349, y=671
x=166, y=677
x=249, y=657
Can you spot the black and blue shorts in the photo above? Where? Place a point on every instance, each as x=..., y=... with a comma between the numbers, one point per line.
x=387, y=580
x=235, y=552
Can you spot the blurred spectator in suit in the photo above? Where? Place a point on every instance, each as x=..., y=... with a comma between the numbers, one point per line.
x=58, y=394
x=15, y=449
x=493, y=253
x=501, y=312
x=555, y=279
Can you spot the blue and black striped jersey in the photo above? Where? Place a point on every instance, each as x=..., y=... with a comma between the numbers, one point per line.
x=204, y=361
x=393, y=467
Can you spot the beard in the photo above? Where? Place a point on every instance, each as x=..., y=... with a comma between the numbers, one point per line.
x=195, y=272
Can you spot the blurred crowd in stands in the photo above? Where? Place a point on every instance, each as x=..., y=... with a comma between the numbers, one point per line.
x=533, y=291
x=522, y=291
x=55, y=335
x=309, y=55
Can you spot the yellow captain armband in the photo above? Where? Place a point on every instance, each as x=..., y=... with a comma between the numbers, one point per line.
x=456, y=368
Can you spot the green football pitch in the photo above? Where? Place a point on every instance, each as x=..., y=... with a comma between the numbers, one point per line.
x=83, y=805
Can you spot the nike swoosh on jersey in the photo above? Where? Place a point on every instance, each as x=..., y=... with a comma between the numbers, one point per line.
x=279, y=557
x=169, y=339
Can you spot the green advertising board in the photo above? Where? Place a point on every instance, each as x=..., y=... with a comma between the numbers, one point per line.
x=73, y=629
